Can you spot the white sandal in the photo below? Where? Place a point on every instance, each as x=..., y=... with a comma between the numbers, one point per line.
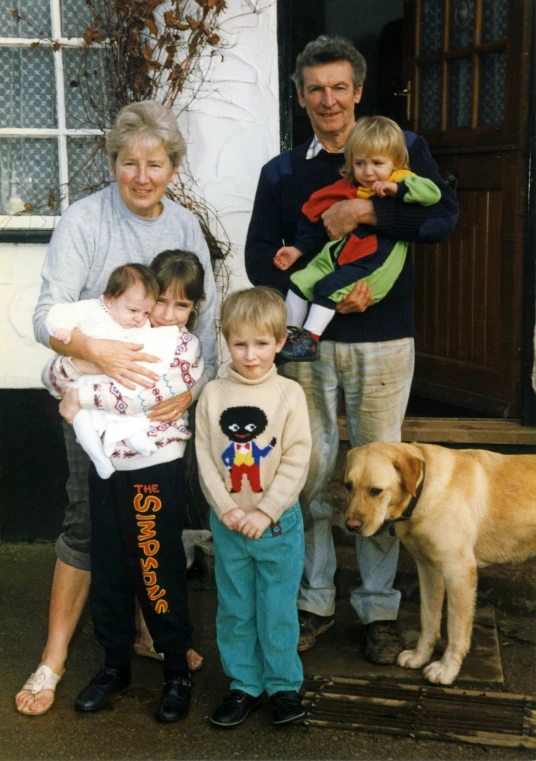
x=43, y=679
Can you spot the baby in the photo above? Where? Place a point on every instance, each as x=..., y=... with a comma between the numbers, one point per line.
x=121, y=313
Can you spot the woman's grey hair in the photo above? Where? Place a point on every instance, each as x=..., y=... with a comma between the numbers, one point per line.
x=328, y=50
x=149, y=121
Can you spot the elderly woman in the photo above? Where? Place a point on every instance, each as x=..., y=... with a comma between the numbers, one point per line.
x=129, y=221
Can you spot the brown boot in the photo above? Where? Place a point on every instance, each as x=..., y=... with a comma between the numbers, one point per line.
x=311, y=625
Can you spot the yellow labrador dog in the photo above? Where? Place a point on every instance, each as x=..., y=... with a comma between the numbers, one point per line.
x=454, y=510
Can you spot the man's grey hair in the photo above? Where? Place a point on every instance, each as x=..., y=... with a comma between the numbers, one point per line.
x=328, y=50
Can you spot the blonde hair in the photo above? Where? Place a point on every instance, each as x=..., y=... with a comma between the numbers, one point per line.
x=375, y=135
x=148, y=121
x=261, y=308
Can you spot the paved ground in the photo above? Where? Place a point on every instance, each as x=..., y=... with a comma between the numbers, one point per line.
x=126, y=729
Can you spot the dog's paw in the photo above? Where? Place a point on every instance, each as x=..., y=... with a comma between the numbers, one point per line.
x=412, y=659
x=444, y=671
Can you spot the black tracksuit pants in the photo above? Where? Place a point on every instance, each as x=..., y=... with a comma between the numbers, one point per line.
x=137, y=518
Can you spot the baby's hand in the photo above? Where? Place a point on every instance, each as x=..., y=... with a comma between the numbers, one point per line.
x=63, y=335
x=383, y=189
x=254, y=524
x=286, y=257
x=232, y=518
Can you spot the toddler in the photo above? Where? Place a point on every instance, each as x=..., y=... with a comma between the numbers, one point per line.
x=376, y=163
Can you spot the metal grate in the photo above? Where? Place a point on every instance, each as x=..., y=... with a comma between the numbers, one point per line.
x=433, y=713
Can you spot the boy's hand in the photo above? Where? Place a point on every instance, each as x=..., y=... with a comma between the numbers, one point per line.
x=232, y=518
x=253, y=525
x=63, y=335
x=286, y=257
x=384, y=188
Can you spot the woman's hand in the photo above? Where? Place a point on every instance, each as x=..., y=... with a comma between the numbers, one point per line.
x=172, y=409
x=120, y=360
x=70, y=404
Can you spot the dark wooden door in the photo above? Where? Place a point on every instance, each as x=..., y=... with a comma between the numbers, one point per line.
x=467, y=62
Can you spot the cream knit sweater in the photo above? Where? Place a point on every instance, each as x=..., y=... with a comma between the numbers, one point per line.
x=259, y=428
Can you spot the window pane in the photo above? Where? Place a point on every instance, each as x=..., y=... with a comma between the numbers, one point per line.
x=432, y=26
x=76, y=16
x=89, y=89
x=28, y=174
x=36, y=11
x=461, y=23
x=27, y=88
x=492, y=78
x=460, y=95
x=494, y=20
x=430, y=97
x=88, y=166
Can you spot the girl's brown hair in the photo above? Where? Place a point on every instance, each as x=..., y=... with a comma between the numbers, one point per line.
x=183, y=273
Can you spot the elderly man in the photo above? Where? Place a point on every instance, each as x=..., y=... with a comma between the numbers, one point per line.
x=368, y=353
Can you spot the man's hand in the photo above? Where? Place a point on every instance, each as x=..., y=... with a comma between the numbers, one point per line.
x=120, y=360
x=63, y=335
x=357, y=300
x=385, y=188
x=344, y=216
x=70, y=404
x=286, y=256
x=233, y=518
x=254, y=524
x=172, y=409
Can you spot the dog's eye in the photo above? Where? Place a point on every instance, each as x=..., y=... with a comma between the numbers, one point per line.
x=374, y=491
x=348, y=486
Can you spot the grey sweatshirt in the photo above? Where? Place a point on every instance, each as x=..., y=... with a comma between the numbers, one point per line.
x=99, y=233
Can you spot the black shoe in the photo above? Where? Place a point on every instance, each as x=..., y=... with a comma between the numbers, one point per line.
x=286, y=707
x=300, y=346
x=104, y=684
x=383, y=642
x=236, y=707
x=311, y=625
x=175, y=700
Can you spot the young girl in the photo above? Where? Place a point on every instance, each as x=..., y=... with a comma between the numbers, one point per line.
x=137, y=515
x=376, y=162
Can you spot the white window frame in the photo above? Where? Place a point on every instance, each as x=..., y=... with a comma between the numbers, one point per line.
x=39, y=222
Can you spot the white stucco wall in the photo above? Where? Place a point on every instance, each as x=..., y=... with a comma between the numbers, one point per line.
x=231, y=132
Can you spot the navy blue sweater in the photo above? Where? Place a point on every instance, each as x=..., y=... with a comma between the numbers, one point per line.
x=288, y=180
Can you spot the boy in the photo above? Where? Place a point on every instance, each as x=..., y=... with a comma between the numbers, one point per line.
x=253, y=446
x=376, y=163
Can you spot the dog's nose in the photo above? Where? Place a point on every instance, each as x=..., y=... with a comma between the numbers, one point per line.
x=353, y=524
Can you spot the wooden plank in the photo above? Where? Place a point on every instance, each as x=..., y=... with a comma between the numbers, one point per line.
x=461, y=431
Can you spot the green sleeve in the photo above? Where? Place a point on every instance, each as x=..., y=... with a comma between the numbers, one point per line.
x=420, y=190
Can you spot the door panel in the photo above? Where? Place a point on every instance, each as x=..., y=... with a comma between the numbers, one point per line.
x=468, y=308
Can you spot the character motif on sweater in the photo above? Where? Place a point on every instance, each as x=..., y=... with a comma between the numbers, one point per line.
x=242, y=457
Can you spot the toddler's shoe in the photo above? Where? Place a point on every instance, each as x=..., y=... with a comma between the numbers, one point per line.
x=175, y=700
x=105, y=683
x=300, y=346
x=236, y=707
x=286, y=707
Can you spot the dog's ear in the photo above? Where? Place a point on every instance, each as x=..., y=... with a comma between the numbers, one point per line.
x=410, y=468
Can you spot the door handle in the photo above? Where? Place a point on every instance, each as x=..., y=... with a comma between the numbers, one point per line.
x=405, y=93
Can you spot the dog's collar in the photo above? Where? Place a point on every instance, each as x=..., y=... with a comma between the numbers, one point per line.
x=408, y=512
